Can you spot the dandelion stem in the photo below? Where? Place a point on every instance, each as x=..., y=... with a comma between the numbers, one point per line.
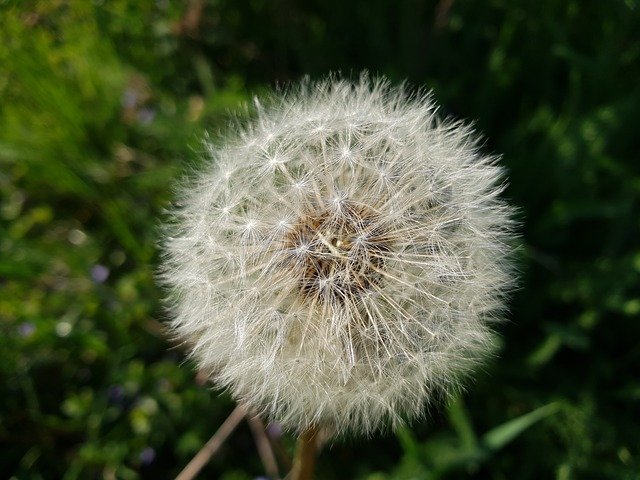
x=305, y=458
x=211, y=447
x=264, y=446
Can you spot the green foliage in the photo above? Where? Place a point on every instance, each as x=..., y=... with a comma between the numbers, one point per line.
x=101, y=108
x=445, y=453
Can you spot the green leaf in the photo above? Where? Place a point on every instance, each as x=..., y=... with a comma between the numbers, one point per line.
x=461, y=423
x=408, y=442
x=500, y=436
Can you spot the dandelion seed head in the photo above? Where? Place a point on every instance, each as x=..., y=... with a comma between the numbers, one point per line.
x=341, y=258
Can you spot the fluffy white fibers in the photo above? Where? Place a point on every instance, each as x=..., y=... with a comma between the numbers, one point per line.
x=340, y=258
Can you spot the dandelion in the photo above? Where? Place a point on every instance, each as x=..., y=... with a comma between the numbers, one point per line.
x=338, y=262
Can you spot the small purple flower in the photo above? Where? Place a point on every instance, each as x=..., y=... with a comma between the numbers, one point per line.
x=129, y=98
x=274, y=430
x=26, y=329
x=115, y=394
x=146, y=115
x=147, y=456
x=99, y=273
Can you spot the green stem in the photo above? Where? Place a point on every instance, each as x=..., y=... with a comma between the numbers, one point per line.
x=305, y=458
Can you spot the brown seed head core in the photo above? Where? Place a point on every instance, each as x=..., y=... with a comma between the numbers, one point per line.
x=337, y=253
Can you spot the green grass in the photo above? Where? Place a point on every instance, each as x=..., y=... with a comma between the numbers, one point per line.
x=102, y=105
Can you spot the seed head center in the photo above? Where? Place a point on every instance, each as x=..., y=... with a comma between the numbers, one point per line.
x=340, y=253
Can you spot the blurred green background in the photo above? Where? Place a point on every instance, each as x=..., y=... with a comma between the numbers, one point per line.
x=102, y=106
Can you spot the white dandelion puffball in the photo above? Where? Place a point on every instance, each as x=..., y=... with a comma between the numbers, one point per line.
x=340, y=258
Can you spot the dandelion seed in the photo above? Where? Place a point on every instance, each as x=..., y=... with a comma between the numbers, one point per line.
x=350, y=278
